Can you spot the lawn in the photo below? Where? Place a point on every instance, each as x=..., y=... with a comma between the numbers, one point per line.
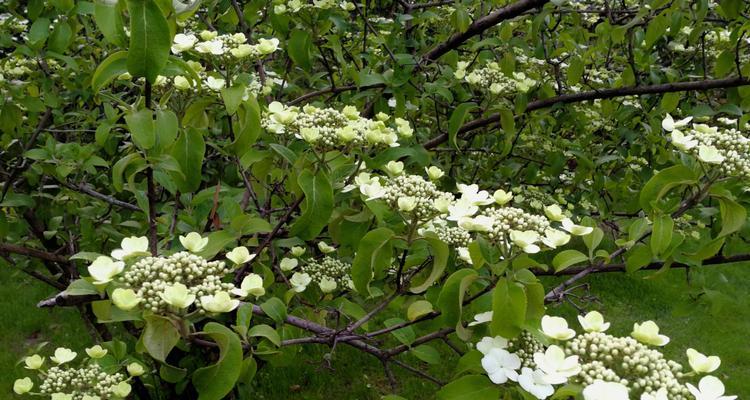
x=718, y=330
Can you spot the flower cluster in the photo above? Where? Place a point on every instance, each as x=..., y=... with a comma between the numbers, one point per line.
x=294, y=6
x=328, y=129
x=606, y=366
x=88, y=381
x=493, y=78
x=413, y=195
x=727, y=148
x=329, y=273
x=211, y=44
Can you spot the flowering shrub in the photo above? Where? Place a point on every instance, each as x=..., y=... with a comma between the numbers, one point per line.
x=218, y=186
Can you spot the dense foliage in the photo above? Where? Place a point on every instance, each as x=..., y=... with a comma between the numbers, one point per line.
x=218, y=185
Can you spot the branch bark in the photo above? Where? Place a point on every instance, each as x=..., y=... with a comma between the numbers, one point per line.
x=26, y=251
x=599, y=94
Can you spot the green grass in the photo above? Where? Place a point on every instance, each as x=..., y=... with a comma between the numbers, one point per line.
x=624, y=299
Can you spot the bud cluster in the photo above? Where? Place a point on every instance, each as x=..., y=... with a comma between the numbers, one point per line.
x=525, y=346
x=492, y=77
x=150, y=276
x=506, y=219
x=330, y=129
x=452, y=235
x=626, y=361
x=88, y=380
x=329, y=273
x=733, y=148
x=421, y=195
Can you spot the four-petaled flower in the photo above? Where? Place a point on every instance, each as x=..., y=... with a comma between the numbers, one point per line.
x=193, y=242
x=709, y=388
x=501, y=365
x=593, y=322
x=556, y=328
x=648, y=333
x=104, y=269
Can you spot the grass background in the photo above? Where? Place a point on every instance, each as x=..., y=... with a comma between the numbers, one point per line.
x=716, y=323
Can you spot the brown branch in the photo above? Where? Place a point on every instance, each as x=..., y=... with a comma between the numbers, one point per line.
x=620, y=267
x=26, y=251
x=20, y=164
x=88, y=190
x=482, y=24
x=63, y=299
x=598, y=94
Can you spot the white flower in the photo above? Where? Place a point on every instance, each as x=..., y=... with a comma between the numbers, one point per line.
x=208, y=35
x=669, y=124
x=63, y=355
x=442, y=204
x=96, y=351
x=104, y=269
x=22, y=386
x=131, y=247
x=219, y=303
x=554, y=238
x=327, y=285
x=267, y=46
x=125, y=299
x=215, y=84
x=710, y=154
x=535, y=383
x=280, y=113
x=461, y=209
x=481, y=223
x=372, y=190
x=135, y=369
x=404, y=129
x=177, y=295
x=556, y=366
x=61, y=396
x=325, y=247
x=251, y=284
x=214, y=47
x=556, y=328
x=193, y=242
x=482, y=318
x=240, y=255
x=574, y=229
x=554, y=212
x=709, y=388
x=593, y=322
x=122, y=389
x=309, y=135
x=488, y=343
x=525, y=240
x=434, y=173
x=394, y=167
x=183, y=42
x=297, y=251
x=288, y=264
x=463, y=254
x=502, y=197
x=33, y=362
x=683, y=142
x=182, y=83
x=300, y=281
x=501, y=365
x=659, y=395
x=407, y=203
x=242, y=51
x=474, y=196
x=648, y=333
x=701, y=363
x=601, y=390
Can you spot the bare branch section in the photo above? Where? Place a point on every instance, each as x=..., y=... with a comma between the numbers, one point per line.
x=88, y=190
x=599, y=94
x=27, y=251
x=482, y=24
x=620, y=267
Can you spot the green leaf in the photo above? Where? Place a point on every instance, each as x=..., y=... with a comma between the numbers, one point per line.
x=284, y=152
x=39, y=32
x=575, y=70
x=458, y=116
x=470, y=387
x=663, y=182
x=159, y=336
x=249, y=128
x=733, y=216
x=661, y=234
x=298, y=47
x=232, y=97
x=471, y=362
x=121, y=165
x=508, y=309
x=440, y=252
x=141, y=126
x=217, y=380
x=426, y=353
x=593, y=239
x=318, y=205
x=637, y=257
x=373, y=255
x=417, y=309
x=568, y=258
x=109, y=69
x=189, y=150
x=450, y=300
x=266, y=332
x=81, y=287
x=275, y=309
x=61, y=37
x=165, y=128
x=108, y=18
x=150, y=39
x=404, y=335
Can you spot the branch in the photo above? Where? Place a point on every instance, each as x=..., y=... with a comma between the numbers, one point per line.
x=26, y=251
x=88, y=190
x=481, y=25
x=19, y=165
x=620, y=267
x=599, y=94
x=63, y=299
x=334, y=90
